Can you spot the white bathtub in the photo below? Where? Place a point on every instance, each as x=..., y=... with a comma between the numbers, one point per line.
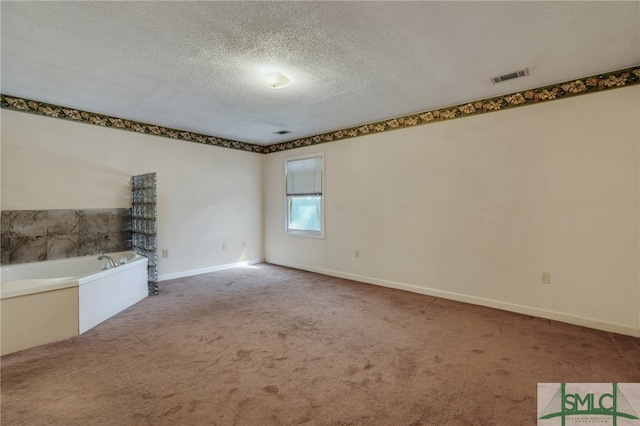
x=47, y=301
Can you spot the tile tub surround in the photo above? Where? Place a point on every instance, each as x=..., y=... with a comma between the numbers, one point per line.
x=36, y=235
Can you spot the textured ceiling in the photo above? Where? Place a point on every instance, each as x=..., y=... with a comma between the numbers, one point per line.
x=196, y=65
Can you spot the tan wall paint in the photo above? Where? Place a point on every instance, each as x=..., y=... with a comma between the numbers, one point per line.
x=207, y=196
x=475, y=209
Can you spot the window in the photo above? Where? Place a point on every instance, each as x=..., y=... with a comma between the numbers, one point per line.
x=304, y=204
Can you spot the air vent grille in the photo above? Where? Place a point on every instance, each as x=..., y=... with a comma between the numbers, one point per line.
x=517, y=74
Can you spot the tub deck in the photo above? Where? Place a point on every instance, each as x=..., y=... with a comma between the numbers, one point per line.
x=39, y=311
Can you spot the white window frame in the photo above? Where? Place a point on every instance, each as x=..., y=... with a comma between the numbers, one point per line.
x=298, y=232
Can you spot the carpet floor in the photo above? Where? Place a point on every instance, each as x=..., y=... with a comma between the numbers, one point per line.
x=267, y=345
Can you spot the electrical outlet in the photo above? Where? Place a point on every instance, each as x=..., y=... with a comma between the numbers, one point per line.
x=357, y=254
x=165, y=253
x=224, y=246
x=545, y=277
x=244, y=244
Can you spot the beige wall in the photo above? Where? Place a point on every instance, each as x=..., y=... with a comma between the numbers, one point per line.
x=475, y=209
x=471, y=209
x=207, y=196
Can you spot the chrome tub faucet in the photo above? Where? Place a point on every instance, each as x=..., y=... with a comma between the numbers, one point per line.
x=112, y=263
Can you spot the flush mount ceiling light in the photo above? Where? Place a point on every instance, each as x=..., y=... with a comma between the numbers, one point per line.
x=275, y=79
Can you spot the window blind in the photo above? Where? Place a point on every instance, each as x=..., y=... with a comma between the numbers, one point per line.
x=304, y=177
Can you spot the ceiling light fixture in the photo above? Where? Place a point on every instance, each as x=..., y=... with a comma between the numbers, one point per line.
x=275, y=79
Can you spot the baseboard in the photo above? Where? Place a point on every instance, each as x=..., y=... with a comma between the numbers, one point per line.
x=490, y=303
x=193, y=272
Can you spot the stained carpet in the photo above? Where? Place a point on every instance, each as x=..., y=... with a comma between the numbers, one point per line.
x=267, y=345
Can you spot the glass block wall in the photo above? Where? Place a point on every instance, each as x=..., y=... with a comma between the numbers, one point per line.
x=144, y=223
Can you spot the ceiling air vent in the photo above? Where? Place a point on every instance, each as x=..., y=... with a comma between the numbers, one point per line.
x=511, y=76
x=282, y=132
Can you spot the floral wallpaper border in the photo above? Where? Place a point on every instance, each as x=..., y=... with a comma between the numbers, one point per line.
x=592, y=84
x=597, y=83
x=57, y=111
